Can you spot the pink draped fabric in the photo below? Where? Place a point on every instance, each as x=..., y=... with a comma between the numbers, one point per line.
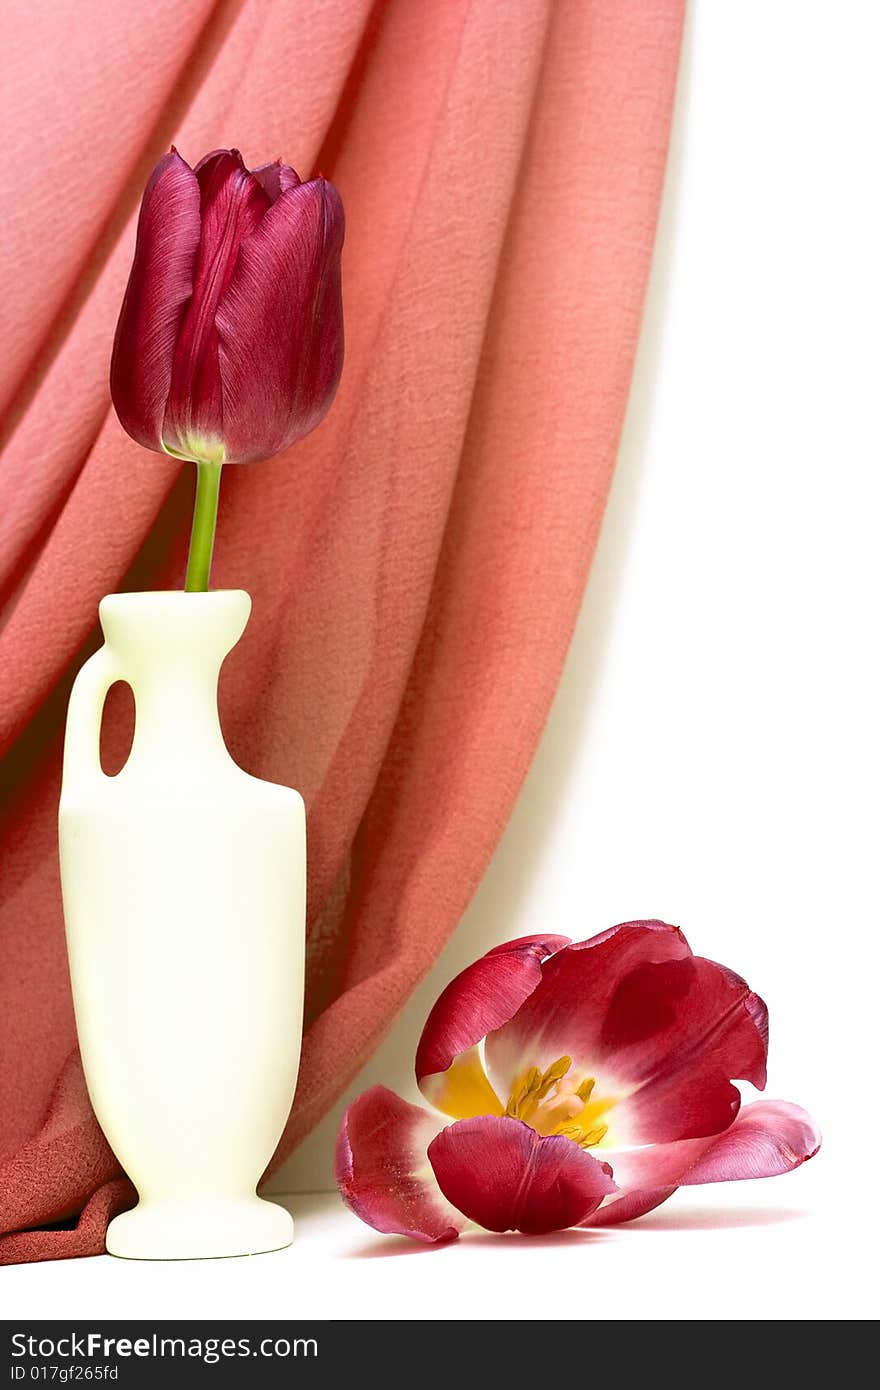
x=416, y=565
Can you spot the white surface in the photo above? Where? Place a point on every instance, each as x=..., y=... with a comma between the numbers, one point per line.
x=712, y=754
x=748, y=1251
x=184, y=901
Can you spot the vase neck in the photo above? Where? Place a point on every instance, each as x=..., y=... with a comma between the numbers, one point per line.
x=169, y=647
x=177, y=723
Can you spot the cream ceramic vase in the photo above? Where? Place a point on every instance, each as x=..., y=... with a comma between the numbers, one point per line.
x=184, y=900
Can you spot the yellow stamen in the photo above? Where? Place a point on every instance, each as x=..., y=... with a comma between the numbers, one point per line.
x=570, y=1132
x=522, y=1093
x=550, y=1104
x=554, y=1073
x=532, y=1086
x=585, y=1138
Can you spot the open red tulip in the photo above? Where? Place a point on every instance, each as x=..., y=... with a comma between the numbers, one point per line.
x=229, y=342
x=586, y=1082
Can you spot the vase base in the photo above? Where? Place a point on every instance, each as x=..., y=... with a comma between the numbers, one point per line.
x=199, y=1230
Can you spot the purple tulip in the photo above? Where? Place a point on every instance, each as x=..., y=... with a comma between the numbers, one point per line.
x=229, y=343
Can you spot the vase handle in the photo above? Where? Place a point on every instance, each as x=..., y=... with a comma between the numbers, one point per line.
x=82, y=737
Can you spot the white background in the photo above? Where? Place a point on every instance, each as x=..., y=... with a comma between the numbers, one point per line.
x=712, y=755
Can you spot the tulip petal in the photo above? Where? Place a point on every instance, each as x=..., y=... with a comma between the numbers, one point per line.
x=159, y=288
x=232, y=205
x=504, y=1176
x=276, y=178
x=675, y=1037
x=767, y=1138
x=279, y=324
x=563, y=1014
x=480, y=999
x=629, y=1206
x=383, y=1172
x=663, y=1032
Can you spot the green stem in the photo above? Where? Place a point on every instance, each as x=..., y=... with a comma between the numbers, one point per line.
x=201, y=541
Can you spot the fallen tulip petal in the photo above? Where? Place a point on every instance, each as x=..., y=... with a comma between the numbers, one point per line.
x=629, y=1206
x=664, y=1035
x=563, y=1013
x=383, y=1172
x=483, y=997
x=676, y=1036
x=767, y=1138
x=504, y=1176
